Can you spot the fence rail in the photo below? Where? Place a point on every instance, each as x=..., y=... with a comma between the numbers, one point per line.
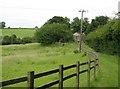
x=31, y=76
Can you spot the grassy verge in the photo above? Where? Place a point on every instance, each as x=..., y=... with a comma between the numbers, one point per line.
x=108, y=73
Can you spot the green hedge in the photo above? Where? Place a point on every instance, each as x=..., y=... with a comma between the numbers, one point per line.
x=13, y=39
x=106, y=38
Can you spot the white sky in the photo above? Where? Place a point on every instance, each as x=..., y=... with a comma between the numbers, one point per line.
x=31, y=13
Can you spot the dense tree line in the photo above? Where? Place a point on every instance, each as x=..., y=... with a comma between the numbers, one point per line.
x=98, y=21
x=58, y=28
x=87, y=26
x=106, y=38
x=103, y=33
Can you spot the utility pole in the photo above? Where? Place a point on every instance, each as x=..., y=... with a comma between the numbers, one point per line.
x=80, y=42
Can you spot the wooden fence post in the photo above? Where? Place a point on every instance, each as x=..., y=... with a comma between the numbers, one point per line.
x=60, y=76
x=30, y=80
x=88, y=73
x=97, y=63
x=95, y=68
x=77, y=74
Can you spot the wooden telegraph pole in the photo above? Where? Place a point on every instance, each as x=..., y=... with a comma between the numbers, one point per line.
x=80, y=42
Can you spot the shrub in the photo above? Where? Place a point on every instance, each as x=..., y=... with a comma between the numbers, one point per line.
x=26, y=40
x=6, y=40
x=51, y=33
x=76, y=51
x=13, y=39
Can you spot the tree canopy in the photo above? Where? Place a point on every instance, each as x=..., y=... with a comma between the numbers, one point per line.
x=55, y=32
x=60, y=20
x=98, y=21
x=76, y=23
x=2, y=25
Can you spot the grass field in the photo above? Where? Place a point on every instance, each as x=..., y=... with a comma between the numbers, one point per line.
x=18, y=32
x=17, y=60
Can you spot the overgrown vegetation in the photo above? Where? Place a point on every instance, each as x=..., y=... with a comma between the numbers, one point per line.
x=95, y=23
x=106, y=38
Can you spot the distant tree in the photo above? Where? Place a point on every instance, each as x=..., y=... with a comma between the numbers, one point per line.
x=76, y=23
x=98, y=21
x=60, y=20
x=13, y=39
x=2, y=25
x=85, y=25
x=9, y=27
x=36, y=27
x=67, y=21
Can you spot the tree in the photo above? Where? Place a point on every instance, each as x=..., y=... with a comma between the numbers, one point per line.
x=76, y=23
x=60, y=20
x=85, y=25
x=2, y=25
x=36, y=27
x=13, y=39
x=98, y=21
x=6, y=40
x=9, y=27
x=51, y=33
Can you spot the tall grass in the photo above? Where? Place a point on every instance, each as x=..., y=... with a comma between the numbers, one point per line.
x=17, y=60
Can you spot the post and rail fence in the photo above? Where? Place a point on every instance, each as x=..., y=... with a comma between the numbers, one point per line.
x=31, y=76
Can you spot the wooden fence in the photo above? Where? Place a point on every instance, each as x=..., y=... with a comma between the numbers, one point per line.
x=31, y=76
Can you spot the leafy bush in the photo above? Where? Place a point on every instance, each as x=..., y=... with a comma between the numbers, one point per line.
x=76, y=51
x=26, y=40
x=51, y=33
x=6, y=40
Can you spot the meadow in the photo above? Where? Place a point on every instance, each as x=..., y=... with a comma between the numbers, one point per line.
x=19, y=32
x=17, y=60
